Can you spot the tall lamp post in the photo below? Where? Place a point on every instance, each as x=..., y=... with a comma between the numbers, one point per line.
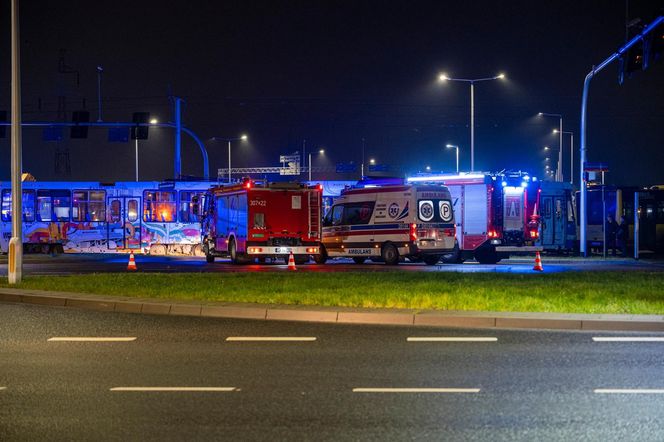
x=443, y=77
x=15, y=259
x=559, y=169
x=152, y=121
x=571, y=153
x=320, y=152
x=454, y=146
x=229, y=140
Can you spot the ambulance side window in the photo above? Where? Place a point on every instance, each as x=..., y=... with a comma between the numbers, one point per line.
x=337, y=214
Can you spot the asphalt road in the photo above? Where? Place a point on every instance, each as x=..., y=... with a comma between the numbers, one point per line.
x=96, y=263
x=523, y=385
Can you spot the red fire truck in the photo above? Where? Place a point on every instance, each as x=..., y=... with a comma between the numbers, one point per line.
x=261, y=220
x=496, y=214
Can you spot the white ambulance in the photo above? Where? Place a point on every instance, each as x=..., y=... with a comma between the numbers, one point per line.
x=388, y=223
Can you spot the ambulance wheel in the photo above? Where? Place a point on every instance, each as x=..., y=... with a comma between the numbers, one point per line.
x=431, y=260
x=359, y=259
x=390, y=254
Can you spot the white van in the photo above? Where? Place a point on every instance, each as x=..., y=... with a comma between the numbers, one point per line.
x=388, y=223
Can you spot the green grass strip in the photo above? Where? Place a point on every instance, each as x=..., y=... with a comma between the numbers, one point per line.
x=574, y=292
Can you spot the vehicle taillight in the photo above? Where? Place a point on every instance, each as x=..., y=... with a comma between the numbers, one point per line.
x=449, y=232
x=493, y=234
x=248, y=185
x=534, y=234
x=413, y=232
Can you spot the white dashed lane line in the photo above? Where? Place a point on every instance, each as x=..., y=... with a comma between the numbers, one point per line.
x=90, y=339
x=628, y=339
x=175, y=389
x=3, y=388
x=450, y=339
x=416, y=390
x=270, y=338
x=629, y=391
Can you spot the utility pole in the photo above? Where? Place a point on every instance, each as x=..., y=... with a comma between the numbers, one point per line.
x=177, y=170
x=100, y=69
x=15, y=264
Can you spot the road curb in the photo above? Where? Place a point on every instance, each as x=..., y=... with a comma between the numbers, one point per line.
x=421, y=318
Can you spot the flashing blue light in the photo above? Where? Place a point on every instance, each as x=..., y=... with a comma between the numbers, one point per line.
x=534, y=179
x=526, y=178
x=504, y=183
x=524, y=184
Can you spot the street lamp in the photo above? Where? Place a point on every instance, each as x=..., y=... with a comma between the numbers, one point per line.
x=443, y=77
x=559, y=170
x=242, y=137
x=320, y=152
x=152, y=121
x=372, y=161
x=454, y=146
x=571, y=153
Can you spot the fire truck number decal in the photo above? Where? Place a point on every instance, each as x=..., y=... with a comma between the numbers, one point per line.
x=260, y=203
x=426, y=210
x=445, y=209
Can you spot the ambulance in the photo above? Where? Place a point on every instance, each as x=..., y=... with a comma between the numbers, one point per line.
x=390, y=223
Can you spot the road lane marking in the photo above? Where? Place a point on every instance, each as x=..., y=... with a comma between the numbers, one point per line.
x=450, y=339
x=628, y=339
x=270, y=338
x=416, y=390
x=3, y=388
x=629, y=391
x=170, y=389
x=90, y=339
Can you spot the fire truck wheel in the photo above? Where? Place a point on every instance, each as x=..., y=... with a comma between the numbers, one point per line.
x=390, y=254
x=208, y=256
x=486, y=256
x=322, y=257
x=431, y=260
x=359, y=259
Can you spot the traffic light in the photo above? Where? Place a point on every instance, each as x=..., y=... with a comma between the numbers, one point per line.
x=643, y=54
x=79, y=131
x=140, y=132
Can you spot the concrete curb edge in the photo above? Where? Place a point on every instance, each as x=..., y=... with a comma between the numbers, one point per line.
x=427, y=318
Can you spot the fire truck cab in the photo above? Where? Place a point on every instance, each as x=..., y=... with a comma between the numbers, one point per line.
x=261, y=220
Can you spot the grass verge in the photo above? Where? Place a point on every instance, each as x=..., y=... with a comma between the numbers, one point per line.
x=583, y=292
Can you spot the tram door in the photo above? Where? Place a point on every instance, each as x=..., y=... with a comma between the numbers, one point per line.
x=124, y=223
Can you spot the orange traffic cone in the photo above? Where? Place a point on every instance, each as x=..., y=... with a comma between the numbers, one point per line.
x=538, y=263
x=132, y=263
x=291, y=262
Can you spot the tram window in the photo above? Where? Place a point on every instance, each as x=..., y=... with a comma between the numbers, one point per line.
x=115, y=211
x=132, y=210
x=159, y=206
x=89, y=206
x=28, y=204
x=186, y=214
x=53, y=205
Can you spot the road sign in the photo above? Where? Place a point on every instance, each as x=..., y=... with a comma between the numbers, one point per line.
x=378, y=168
x=290, y=164
x=595, y=166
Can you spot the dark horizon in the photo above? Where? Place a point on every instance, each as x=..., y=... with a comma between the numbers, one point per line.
x=333, y=74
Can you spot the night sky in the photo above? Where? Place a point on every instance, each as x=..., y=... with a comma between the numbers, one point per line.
x=333, y=73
